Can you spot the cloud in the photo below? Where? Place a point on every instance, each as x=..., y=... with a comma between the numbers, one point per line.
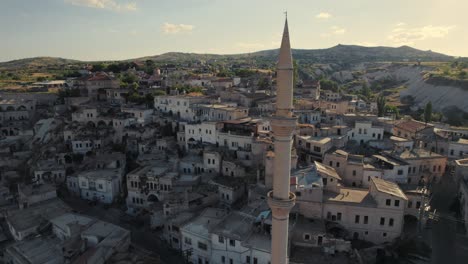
x=169, y=28
x=338, y=30
x=105, y=4
x=400, y=24
x=250, y=46
x=365, y=43
x=402, y=35
x=334, y=31
x=323, y=15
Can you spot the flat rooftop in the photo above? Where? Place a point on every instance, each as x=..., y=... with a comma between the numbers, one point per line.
x=236, y=225
x=37, y=214
x=388, y=188
x=418, y=153
x=38, y=250
x=350, y=196
x=203, y=224
x=462, y=162
x=100, y=174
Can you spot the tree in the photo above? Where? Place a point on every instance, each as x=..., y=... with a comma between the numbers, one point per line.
x=327, y=84
x=98, y=67
x=393, y=110
x=462, y=74
x=149, y=100
x=263, y=84
x=428, y=112
x=366, y=91
x=129, y=78
x=381, y=101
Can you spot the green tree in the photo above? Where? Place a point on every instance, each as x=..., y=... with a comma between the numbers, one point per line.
x=263, y=83
x=149, y=100
x=98, y=67
x=159, y=92
x=428, y=112
x=129, y=78
x=381, y=101
x=327, y=84
x=366, y=91
x=462, y=74
x=393, y=110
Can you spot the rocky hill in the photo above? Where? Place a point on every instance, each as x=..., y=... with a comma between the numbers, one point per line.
x=36, y=62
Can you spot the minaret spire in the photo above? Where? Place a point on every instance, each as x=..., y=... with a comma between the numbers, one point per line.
x=283, y=123
x=284, y=89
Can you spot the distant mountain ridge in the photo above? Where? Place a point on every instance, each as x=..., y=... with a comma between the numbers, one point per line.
x=337, y=54
x=354, y=53
x=36, y=62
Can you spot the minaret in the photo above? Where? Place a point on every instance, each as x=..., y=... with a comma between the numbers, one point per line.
x=283, y=123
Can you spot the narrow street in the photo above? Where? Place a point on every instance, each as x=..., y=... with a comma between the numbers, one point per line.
x=142, y=236
x=449, y=245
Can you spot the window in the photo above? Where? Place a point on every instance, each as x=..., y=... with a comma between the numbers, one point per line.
x=231, y=261
x=100, y=186
x=410, y=204
x=337, y=164
x=384, y=234
x=400, y=172
x=390, y=222
x=388, y=202
x=418, y=204
x=255, y=261
x=354, y=173
x=366, y=219
x=338, y=216
x=223, y=259
x=382, y=220
x=331, y=163
x=232, y=242
x=202, y=246
x=317, y=149
x=356, y=219
x=397, y=203
x=247, y=259
x=188, y=241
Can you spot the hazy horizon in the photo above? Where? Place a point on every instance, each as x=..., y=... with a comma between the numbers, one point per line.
x=102, y=30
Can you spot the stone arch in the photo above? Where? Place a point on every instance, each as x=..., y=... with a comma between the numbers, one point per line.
x=68, y=159
x=152, y=198
x=21, y=108
x=101, y=123
x=91, y=124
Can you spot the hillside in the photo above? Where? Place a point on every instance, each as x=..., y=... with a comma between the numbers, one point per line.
x=36, y=62
x=357, y=54
x=338, y=54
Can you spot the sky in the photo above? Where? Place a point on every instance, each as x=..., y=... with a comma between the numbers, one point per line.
x=124, y=29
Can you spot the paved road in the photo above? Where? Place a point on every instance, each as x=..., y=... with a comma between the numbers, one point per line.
x=448, y=244
x=142, y=235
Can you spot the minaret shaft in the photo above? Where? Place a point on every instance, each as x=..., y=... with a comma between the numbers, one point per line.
x=281, y=200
